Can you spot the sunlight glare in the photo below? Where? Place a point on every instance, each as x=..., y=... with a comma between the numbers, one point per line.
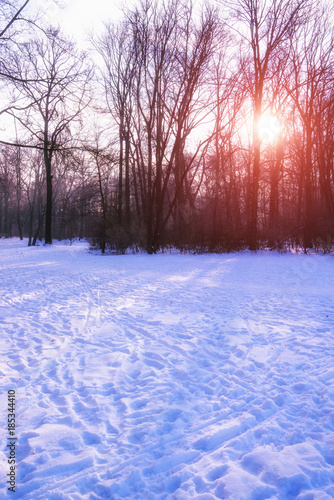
x=269, y=128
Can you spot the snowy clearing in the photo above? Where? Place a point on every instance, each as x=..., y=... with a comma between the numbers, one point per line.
x=167, y=376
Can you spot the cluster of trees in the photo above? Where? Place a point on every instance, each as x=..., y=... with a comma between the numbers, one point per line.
x=208, y=129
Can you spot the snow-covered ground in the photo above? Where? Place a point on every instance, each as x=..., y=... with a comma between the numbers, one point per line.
x=167, y=376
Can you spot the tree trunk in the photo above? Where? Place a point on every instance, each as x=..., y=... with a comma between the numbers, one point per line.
x=308, y=228
x=48, y=214
x=6, y=222
x=120, y=170
x=273, y=204
x=254, y=189
x=38, y=231
x=127, y=179
x=214, y=235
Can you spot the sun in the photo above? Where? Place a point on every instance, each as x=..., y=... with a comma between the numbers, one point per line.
x=268, y=127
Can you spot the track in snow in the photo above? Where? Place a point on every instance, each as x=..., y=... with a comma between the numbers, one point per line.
x=168, y=376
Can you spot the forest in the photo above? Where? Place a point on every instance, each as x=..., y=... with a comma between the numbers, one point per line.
x=205, y=129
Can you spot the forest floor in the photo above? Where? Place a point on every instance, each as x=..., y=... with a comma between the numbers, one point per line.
x=166, y=376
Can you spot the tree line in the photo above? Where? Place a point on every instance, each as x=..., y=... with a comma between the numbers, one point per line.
x=205, y=129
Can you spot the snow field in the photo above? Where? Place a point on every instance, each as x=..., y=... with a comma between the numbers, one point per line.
x=167, y=376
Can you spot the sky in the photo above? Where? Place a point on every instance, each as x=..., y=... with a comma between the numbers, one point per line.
x=77, y=17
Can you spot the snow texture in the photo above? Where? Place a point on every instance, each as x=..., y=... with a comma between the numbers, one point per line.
x=167, y=376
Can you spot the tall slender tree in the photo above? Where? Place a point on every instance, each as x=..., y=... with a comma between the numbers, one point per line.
x=52, y=78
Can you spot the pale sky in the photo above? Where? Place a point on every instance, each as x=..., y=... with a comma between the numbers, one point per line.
x=75, y=17
x=78, y=16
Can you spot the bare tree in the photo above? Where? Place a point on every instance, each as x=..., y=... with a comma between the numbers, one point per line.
x=154, y=79
x=14, y=26
x=104, y=160
x=10, y=13
x=173, y=51
x=53, y=78
x=118, y=54
x=265, y=28
x=310, y=86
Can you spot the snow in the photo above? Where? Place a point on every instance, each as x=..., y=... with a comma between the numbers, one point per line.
x=167, y=376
